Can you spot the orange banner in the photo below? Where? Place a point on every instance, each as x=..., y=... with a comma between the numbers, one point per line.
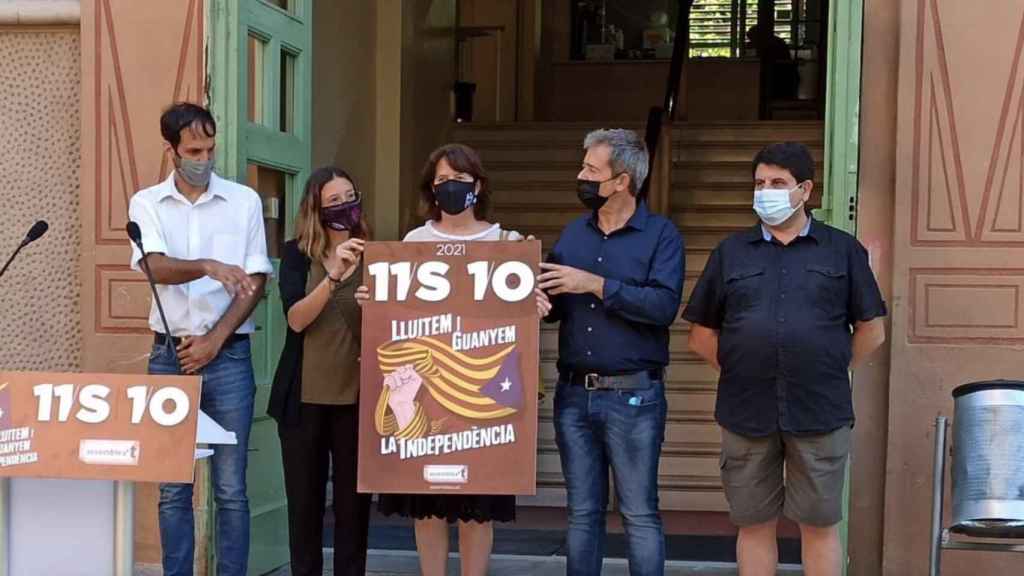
x=98, y=426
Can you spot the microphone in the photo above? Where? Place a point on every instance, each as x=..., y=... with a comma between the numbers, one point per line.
x=135, y=234
x=34, y=233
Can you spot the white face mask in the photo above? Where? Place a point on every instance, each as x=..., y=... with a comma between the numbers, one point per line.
x=772, y=205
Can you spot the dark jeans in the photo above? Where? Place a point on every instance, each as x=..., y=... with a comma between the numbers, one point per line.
x=623, y=429
x=227, y=397
x=324, y=434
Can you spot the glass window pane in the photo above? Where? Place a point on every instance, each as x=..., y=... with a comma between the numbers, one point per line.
x=286, y=5
x=256, y=53
x=287, y=89
x=272, y=186
x=712, y=29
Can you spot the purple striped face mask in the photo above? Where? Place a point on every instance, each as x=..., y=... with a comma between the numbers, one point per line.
x=341, y=217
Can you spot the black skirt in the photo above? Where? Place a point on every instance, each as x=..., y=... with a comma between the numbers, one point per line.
x=450, y=507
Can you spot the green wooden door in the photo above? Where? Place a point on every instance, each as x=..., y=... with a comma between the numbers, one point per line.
x=259, y=63
x=842, y=145
x=842, y=114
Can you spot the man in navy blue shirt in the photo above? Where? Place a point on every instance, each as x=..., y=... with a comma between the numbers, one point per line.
x=783, y=310
x=615, y=278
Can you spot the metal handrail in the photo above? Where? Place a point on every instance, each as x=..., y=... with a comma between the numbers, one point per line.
x=657, y=116
x=680, y=46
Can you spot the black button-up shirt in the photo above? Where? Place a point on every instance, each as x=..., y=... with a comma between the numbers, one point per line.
x=784, y=316
x=643, y=266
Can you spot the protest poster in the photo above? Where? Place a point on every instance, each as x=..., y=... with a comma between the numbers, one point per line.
x=449, y=368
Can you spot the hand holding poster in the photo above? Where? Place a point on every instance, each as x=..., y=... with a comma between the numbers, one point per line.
x=450, y=352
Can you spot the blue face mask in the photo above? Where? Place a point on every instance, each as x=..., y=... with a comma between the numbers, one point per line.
x=773, y=206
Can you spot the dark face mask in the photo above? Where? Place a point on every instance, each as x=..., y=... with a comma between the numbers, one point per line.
x=589, y=192
x=454, y=197
x=341, y=217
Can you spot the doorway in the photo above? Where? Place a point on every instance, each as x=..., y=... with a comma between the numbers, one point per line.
x=336, y=117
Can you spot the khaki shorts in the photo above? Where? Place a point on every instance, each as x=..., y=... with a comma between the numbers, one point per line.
x=810, y=492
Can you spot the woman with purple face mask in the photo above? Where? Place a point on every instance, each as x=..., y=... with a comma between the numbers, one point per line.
x=316, y=388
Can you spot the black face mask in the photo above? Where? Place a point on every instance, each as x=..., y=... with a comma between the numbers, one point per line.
x=589, y=192
x=454, y=197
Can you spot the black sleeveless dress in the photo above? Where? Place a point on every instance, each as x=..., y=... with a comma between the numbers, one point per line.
x=450, y=507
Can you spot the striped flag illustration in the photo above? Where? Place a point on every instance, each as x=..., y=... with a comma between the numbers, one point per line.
x=462, y=384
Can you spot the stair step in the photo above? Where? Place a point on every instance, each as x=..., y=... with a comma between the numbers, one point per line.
x=695, y=262
x=729, y=151
x=546, y=214
x=736, y=220
x=538, y=194
x=561, y=195
x=711, y=203
x=571, y=126
x=512, y=136
x=494, y=157
x=697, y=173
x=546, y=222
x=706, y=238
x=699, y=236
x=808, y=132
x=726, y=195
x=532, y=175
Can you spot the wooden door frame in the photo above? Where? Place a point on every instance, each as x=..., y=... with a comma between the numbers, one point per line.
x=842, y=148
x=241, y=142
x=842, y=115
x=528, y=40
x=527, y=54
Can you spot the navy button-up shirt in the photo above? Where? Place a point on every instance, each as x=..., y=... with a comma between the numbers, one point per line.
x=784, y=316
x=643, y=266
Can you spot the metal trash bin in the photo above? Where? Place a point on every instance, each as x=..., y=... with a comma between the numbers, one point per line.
x=988, y=459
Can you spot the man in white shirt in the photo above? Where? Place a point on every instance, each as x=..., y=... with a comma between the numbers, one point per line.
x=206, y=249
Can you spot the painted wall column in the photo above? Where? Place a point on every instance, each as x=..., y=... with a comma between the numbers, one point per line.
x=388, y=166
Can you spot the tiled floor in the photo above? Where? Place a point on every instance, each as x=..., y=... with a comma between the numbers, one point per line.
x=400, y=563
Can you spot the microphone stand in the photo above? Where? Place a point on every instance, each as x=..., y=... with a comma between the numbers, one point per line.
x=159, y=305
x=13, y=256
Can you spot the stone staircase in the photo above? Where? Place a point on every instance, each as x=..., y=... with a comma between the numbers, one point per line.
x=533, y=169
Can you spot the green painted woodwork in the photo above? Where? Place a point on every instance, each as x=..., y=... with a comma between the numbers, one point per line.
x=241, y=144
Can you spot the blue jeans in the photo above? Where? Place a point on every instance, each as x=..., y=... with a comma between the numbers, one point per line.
x=227, y=397
x=624, y=429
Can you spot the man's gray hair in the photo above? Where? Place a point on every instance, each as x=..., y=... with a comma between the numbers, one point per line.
x=629, y=153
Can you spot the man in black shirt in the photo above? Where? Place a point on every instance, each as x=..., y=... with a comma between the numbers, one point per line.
x=783, y=310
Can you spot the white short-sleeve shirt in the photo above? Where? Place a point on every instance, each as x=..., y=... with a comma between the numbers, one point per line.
x=225, y=224
x=427, y=233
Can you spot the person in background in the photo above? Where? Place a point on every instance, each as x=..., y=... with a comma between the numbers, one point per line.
x=315, y=394
x=784, y=310
x=784, y=75
x=207, y=252
x=455, y=190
